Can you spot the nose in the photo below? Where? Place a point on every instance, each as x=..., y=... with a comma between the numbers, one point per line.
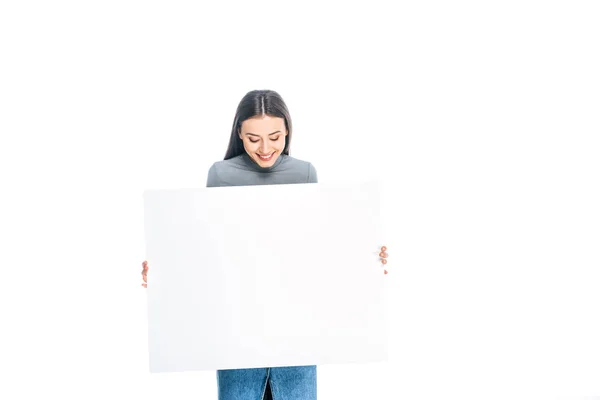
x=263, y=148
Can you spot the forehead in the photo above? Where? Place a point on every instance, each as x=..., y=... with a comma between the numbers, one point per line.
x=263, y=125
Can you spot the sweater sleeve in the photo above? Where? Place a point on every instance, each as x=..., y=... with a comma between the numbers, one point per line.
x=312, y=174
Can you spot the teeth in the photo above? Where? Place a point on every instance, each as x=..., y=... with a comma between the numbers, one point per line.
x=265, y=158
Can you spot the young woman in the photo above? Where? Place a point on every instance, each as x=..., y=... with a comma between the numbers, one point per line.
x=258, y=154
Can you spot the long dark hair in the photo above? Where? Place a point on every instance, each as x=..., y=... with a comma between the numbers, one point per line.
x=258, y=103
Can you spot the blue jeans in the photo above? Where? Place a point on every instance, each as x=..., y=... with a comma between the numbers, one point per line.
x=287, y=383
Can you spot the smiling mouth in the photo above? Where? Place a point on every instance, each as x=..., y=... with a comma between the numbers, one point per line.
x=267, y=158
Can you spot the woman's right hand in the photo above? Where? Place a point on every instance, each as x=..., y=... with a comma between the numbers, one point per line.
x=145, y=274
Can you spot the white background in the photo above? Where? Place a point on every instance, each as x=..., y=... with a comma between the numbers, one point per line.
x=483, y=118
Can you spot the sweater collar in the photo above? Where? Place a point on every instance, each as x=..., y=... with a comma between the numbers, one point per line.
x=248, y=161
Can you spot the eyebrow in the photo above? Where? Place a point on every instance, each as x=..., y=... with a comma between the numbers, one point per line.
x=254, y=134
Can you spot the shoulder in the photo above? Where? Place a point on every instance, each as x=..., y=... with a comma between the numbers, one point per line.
x=234, y=162
x=220, y=170
x=293, y=160
x=306, y=168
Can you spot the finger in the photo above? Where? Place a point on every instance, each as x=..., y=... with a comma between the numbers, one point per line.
x=385, y=272
x=384, y=261
x=383, y=254
x=145, y=278
x=383, y=248
x=145, y=263
x=144, y=285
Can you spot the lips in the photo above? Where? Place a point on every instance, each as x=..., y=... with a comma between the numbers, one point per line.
x=267, y=158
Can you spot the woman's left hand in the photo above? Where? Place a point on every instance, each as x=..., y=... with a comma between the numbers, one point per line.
x=383, y=254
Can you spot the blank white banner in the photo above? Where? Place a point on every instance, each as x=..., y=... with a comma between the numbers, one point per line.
x=264, y=276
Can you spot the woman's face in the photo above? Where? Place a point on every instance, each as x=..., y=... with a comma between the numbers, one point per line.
x=264, y=138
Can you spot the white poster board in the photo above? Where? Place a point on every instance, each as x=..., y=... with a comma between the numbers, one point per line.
x=264, y=276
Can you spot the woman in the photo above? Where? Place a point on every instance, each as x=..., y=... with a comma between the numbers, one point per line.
x=258, y=154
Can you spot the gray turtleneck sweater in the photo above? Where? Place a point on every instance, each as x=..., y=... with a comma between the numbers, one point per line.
x=243, y=171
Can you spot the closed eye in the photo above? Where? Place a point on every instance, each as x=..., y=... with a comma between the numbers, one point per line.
x=273, y=140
